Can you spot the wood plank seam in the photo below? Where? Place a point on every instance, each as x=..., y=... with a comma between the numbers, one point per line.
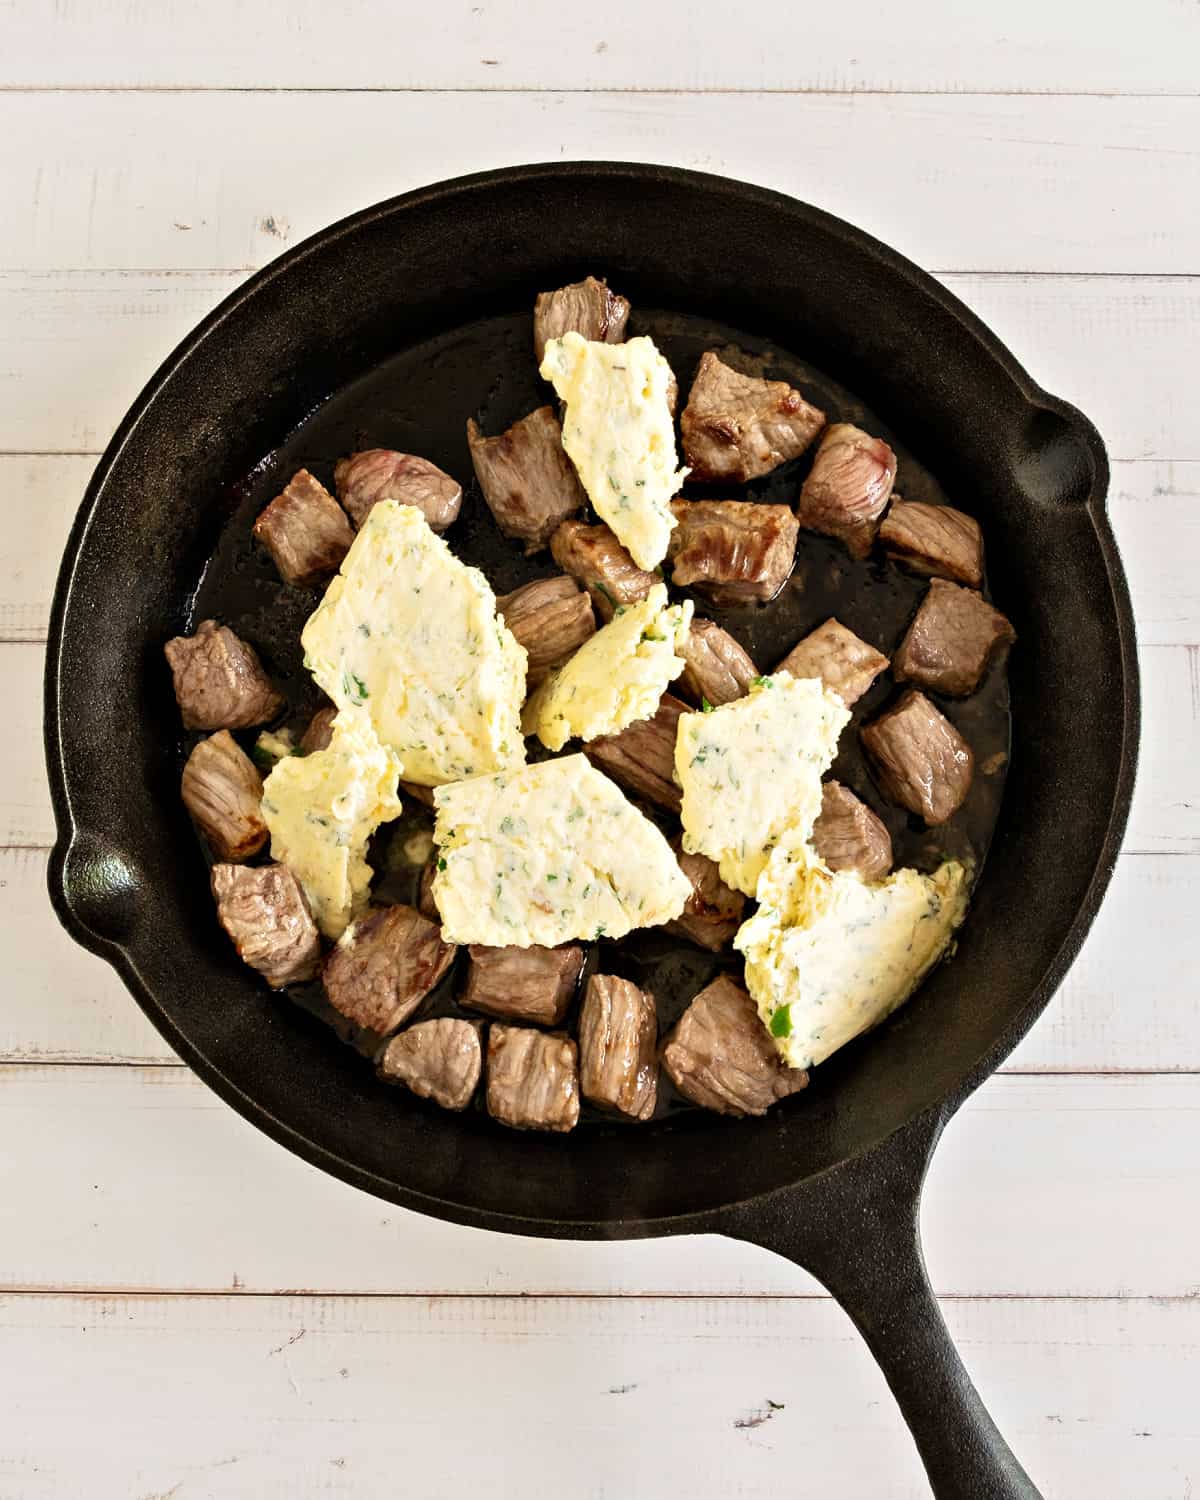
x=703, y=92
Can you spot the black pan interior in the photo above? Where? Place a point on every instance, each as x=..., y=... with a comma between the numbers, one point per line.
x=418, y=401
x=392, y=329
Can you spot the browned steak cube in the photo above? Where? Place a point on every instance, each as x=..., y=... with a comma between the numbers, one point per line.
x=720, y=1056
x=219, y=681
x=737, y=427
x=714, y=910
x=411, y=792
x=265, y=913
x=439, y=1060
x=523, y=984
x=527, y=479
x=921, y=761
x=375, y=474
x=594, y=556
x=426, y=905
x=642, y=757
x=953, y=637
x=843, y=662
x=551, y=618
x=848, y=836
x=320, y=730
x=732, y=550
x=718, y=668
x=848, y=487
x=533, y=1079
x=384, y=965
x=305, y=530
x=935, y=540
x=585, y=307
x=222, y=790
x=618, y=1035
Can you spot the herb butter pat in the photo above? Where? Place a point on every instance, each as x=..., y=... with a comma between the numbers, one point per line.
x=751, y=769
x=546, y=855
x=322, y=808
x=615, y=678
x=619, y=433
x=409, y=635
x=829, y=956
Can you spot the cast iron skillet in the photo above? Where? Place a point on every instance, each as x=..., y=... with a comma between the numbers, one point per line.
x=831, y=1179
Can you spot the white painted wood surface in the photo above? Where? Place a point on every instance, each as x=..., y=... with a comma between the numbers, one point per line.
x=187, y=1310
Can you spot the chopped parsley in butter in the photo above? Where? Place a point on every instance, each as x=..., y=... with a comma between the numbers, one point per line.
x=410, y=635
x=620, y=435
x=322, y=808
x=752, y=769
x=829, y=956
x=549, y=854
x=616, y=677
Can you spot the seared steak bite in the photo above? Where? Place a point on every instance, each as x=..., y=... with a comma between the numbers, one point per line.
x=527, y=479
x=222, y=790
x=585, y=307
x=439, y=1060
x=718, y=668
x=265, y=913
x=737, y=427
x=533, y=1080
x=935, y=540
x=714, y=910
x=642, y=757
x=426, y=905
x=319, y=731
x=732, y=550
x=845, y=664
x=305, y=530
x=594, y=556
x=953, y=637
x=219, y=681
x=523, y=984
x=848, y=487
x=551, y=618
x=720, y=1056
x=375, y=474
x=920, y=759
x=848, y=836
x=384, y=965
x=414, y=793
x=618, y=1034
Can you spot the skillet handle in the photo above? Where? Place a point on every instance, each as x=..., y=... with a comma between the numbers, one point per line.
x=857, y=1230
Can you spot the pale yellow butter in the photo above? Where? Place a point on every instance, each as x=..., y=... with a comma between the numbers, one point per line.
x=549, y=854
x=752, y=769
x=616, y=677
x=620, y=435
x=410, y=635
x=829, y=956
x=322, y=808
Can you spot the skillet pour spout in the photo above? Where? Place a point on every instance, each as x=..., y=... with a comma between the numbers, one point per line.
x=443, y=280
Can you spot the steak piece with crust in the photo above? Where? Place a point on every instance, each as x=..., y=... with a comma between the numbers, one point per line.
x=720, y=1056
x=266, y=915
x=921, y=761
x=219, y=681
x=528, y=481
x=585, y=307
x=384, y=965
x=736, y=427
x=439, y=1060
x=618, y=1035
x=848, y=487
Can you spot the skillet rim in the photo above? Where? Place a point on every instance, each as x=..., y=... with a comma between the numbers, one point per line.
x=751, y=196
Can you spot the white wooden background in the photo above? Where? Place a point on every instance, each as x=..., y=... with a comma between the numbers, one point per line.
x=187, y=1311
